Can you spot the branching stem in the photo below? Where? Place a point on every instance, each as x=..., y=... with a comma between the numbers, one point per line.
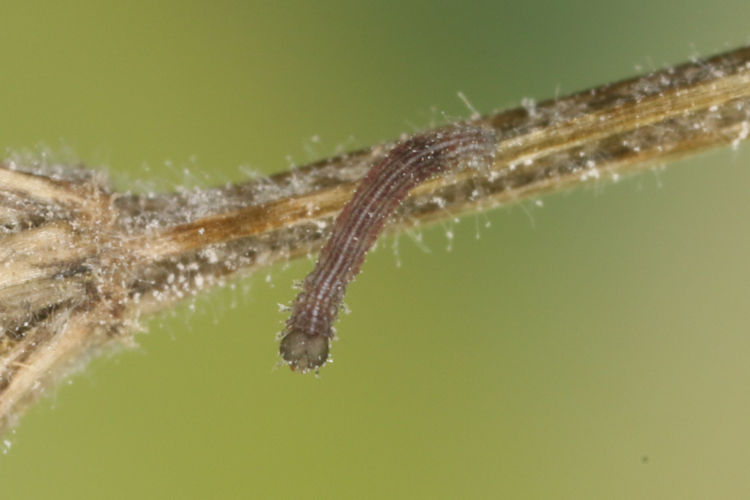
x=79, y=263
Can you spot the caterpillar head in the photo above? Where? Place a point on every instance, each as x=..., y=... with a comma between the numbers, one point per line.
x=303, y=352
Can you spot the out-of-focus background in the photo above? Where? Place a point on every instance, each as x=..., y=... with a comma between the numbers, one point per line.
x=593, y=347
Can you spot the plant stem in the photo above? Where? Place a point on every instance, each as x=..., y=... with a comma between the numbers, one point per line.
x=81, y=263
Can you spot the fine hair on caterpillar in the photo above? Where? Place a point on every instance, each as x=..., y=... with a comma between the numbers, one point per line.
x=309, y=330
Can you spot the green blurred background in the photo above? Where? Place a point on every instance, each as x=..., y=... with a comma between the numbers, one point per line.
x=595, y=347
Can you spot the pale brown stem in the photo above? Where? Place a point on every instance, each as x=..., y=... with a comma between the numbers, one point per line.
x=79, y=264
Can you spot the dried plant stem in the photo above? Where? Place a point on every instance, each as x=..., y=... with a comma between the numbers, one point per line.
x=79, y=263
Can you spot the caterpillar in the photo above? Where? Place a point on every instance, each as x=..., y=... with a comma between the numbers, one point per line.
x=308, y=331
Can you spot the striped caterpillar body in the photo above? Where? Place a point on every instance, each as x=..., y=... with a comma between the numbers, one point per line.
x=308, y=331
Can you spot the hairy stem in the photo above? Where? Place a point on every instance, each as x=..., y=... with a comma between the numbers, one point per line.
x=80, y=263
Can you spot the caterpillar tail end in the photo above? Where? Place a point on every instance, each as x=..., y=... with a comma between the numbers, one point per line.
x=303, y=352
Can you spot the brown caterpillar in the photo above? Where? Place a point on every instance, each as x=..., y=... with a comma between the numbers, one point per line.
x=308, y=331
